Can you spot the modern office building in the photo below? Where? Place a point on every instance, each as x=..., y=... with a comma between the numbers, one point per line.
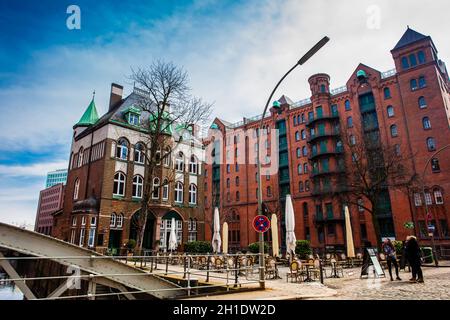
x=50, y=201
x=56, y=177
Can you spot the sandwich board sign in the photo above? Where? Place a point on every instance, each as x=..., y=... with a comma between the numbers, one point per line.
x=371, y=258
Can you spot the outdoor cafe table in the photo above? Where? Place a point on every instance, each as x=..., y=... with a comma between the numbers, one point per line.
x=334, y=265
x=308, y=266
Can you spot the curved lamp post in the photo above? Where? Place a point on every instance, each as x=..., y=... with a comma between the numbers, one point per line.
x=436, y=262
x=300, y=62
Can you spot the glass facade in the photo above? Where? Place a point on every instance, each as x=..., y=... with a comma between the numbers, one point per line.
x=56, y=177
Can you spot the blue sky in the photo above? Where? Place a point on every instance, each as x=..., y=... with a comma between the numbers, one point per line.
x=234, y=51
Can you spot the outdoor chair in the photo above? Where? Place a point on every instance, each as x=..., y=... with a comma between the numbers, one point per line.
x=383, y=260
x=271, y=271
x=202, y=261
x=218, y=263
x=249, y=267
x=295, y=271
x=336, y=268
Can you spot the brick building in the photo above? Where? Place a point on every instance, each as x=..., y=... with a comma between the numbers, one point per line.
x=50, y=201
x=106, y=180
x=406, y=108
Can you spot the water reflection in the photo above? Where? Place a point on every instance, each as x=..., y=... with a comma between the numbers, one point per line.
x=8, y=290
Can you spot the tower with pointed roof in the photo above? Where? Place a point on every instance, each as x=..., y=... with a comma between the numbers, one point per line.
x=89, y=118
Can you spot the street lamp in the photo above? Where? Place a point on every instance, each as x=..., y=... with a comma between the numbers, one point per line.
x=436, y=262
x=300, y=62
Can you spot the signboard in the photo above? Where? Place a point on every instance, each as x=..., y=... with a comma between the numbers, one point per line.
x=371, y=258
x=261, y=224
x=431, y=228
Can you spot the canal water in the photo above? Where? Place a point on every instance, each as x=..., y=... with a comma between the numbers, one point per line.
x=8, y=290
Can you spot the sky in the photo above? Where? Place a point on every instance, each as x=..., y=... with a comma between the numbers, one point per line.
x=233, y=51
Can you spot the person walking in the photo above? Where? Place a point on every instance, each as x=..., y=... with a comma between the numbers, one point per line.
x=391, y=258
x=414, y=259
x=404, y=259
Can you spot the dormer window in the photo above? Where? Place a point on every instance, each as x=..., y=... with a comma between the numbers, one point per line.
x=133, y=116
x=133, y=119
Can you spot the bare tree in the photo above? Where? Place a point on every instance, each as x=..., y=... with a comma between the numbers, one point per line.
x=375, y=168
x=166, y=97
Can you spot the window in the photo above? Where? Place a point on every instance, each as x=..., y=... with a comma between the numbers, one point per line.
x=112, y=222
x=93, y=221
x=307, y=185
x=323, y=89
x=303, y=134
x=295, y=120
x=421, y=57
x=422, y=103
x=119, y=184
x=428, y=199
x=138, y=183
x=422, y=82
x=193, y=165
x=444, y=228
x=236, y=167
x=417, y=199
x=413, y=84
x=347, y=105
x=192, y=194
x=228, y=168
x=192, y=230
x=300, y=169
x=303, y=118
x=438, y=197
x=299, y=152
x=122, y=149
x=179, y=162
x=390, y=111
x=387, y=93
x=363, y=231
x=72, y=236
x=431, y=144
x=394, y=131
x=297, y=136
x=405, y=63
x=238, y=196
x=91, y=237
x=119, y=223
x=165, y=189
x=350, y=122
x=166, y=160
x=179, y=192
x=155, y=188
x=82, y=234
x=435, y=167
x=352, y=140
x=426, y=123
x=305, y=168
x=74, y=221
x=269, y=191
x=228, y=182
x=301, y=187
x=360, y=205
x=305, y=151
x=133, y=119
x=83, y=221
x=412, y=60
x=80, y=157
x=237, y=181
x=139, y=153
x=76, y=189
x=397, y=150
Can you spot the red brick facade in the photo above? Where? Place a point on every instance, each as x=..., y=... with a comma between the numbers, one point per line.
x=408, y=113
x=50, y=201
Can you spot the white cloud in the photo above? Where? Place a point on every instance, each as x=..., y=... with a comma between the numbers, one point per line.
x=32, y=170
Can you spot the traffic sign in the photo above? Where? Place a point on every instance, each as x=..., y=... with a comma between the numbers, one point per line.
x=431, y=228
x=261, y=224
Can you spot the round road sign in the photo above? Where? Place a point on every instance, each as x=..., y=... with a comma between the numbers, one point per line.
x=261, y=224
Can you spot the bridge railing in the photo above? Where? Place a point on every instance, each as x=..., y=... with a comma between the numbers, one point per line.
x=197, y=273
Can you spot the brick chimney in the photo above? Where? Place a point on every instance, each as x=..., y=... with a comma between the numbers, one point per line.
x=116, y=95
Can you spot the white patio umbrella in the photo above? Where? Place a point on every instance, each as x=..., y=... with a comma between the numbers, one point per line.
x=173, y=236
x=290, y=226
x=216, y=241
x=274, y=227
x=349, y=234
x=225, y=237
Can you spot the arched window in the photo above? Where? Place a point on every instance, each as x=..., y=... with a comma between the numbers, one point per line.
x=301, y=188
x=352, y=140
x=300, y=169
x=269, y=191
x=307, y=185
x=435, y=167
x=405, y=63
x=155, y=188
x=138, y=184
x=122, y=149
x=80, y=157
x=228, y=182
x=421, y=57
x=139, y=153
x=305, y=151
x=387, y=93
x=119, y=223
x=165, y=189
x=347, y=105
x=166, y=160
x=426, y=123
x=422, y=82
x=237, y=181
x=192, y=194
x=299, y=152
x=438, y=196
x=179, y=162
x=119, y=184
x=76, y=189
x=350, y=122
x=305, y=168
x=413, y=84
x=297, y=136
x=112, y=222
x=178, y=192
x=431, y=144
x=394, y=130
x=390, y=111
x=412, y=60
x=295, y=120
x=422, y=102
x=303, y=118
x=303, y=134
x=193, y=165
x=238, y=196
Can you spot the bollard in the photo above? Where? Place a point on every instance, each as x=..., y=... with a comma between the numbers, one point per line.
x=185, y=265
x=321, y=271
x=207, y=268
x=236, y=271
x=167, y=263
x=189, y=276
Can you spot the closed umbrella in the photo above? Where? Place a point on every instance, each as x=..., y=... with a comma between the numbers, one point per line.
x=349, y=234
x=173, y=236
x=290, y=226
x=216, y=241
x=274, y=227
x=225, y=237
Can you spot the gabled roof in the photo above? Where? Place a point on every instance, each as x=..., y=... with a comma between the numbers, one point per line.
x=410, y=36
x=89, y=117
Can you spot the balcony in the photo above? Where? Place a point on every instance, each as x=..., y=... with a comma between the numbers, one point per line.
x=330, y=217
x=323, y=135
x=318, y=173
x=319, y=118
x=322, y=153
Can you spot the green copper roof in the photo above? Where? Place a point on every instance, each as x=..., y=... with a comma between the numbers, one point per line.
x=361, y=73
x=133, y=109
x=214, y=126
x=90, y=116
x=276, y=104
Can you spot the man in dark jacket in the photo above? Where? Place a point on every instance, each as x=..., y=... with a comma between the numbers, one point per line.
x=414, y=259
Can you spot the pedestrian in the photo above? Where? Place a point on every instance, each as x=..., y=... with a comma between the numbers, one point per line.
x=391, y=258
x=403, y=258
x=414, y=258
